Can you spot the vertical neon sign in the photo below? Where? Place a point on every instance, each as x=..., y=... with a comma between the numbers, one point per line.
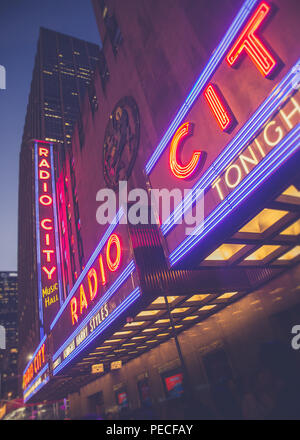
x=48, y=260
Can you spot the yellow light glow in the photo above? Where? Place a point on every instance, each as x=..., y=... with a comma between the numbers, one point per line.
x=110, y=341
x=291, y=191
x=161, y=299
x=141, y=347
x=224, y=252
x=227, y=295
x=102, y=348
x=146, y=330
x=294, y=229
x=290, y=255
x=162, y=321
x=197, y=298
x=148, y=313
x=180, y=310
x=150, y=342
x=262, y=252
x=208, y=307
x=163, y=334
x=263, y=221
x=123, y=333
x=133, y=324
x=138, y=337
x=127, y=345
x=190, y=318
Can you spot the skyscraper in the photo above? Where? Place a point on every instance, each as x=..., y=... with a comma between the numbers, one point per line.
x=63, y=71
x=9, y=320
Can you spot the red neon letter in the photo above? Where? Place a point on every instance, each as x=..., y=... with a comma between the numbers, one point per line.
x=49, y=273
x=43, y=152
x=74, y=315
x=47, y=238
x=83, y=301
x=181, y=171
x=249, y=42
x=221, y=114
x=102, y=271
x=43, y=224
x=48, y=252
x=46, y=200
x=113, y=266
x=43, y=352
x=44, y=163
x=93, y=291
x=44, y=175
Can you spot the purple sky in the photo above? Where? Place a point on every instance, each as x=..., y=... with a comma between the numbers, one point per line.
x=19, y=28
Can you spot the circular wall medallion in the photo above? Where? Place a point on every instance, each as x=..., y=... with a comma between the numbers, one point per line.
x=121, y=142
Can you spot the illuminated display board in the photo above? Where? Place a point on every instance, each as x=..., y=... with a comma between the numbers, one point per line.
x=104, y=290
x=36, y=373
x=239, y=123
x=48, y=259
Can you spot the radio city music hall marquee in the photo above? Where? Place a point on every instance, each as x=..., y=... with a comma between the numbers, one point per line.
x=239, y=123
x=48, y=259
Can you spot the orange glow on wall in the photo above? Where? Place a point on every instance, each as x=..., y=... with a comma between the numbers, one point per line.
x=178, y=169
x=250, y=43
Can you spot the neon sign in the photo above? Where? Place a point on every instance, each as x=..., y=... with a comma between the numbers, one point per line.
x=249, y=42
x=48, y=260
x=219, y=108
x=241, y=174
x=37, y=363
x=273, y=133
x=247, y=140
x=104, y=290
x=81, y=302
x=183, y=171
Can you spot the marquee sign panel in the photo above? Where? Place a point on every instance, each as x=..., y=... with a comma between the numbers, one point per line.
x=48, y=256
x=243, y=109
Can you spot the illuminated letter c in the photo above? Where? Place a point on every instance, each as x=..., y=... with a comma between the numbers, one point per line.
x=44, y=226
x=183, y=171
